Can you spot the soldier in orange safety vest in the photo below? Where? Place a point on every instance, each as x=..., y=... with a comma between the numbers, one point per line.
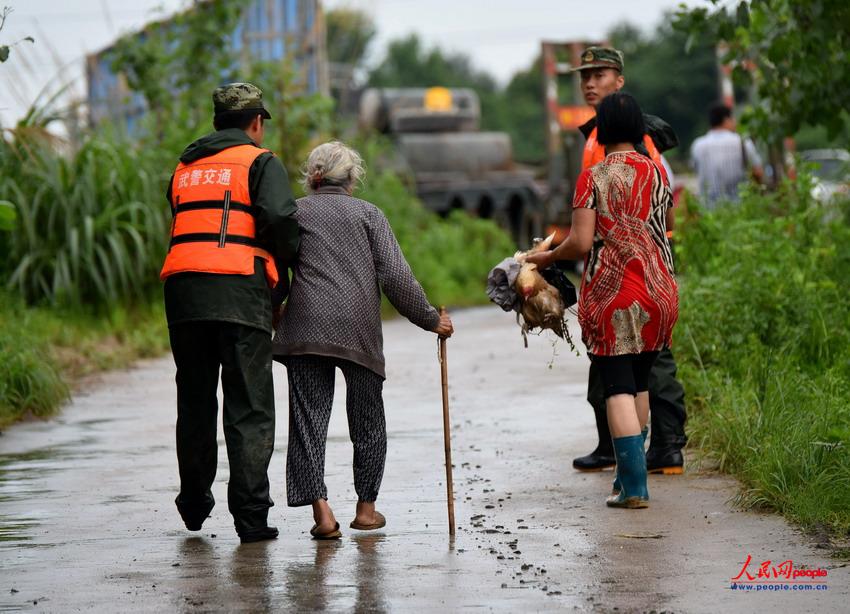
x=232, y=234
x=601, y=71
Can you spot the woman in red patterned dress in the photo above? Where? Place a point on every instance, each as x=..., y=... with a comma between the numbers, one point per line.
x=629, y=299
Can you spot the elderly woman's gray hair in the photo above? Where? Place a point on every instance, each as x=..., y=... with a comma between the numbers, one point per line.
x=333, y=164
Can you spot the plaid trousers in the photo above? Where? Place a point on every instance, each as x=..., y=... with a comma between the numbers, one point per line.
x=311, y=392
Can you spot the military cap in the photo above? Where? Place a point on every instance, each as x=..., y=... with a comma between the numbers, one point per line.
x=601, y=57
x=239, y=97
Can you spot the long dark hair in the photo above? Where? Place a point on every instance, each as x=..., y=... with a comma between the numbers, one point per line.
x=619, y=120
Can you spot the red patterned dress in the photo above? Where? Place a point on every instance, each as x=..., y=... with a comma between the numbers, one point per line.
x=629, y=299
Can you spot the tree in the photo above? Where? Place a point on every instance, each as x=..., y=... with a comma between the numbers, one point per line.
x=349, y=34
x=797, y=53
x=299, y=120
x=522, y=114
x=409, y=64
x=676, y=85
x=175, y=64
x=5, y=50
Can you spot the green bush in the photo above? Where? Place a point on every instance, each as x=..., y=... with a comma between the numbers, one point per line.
x=764, y=346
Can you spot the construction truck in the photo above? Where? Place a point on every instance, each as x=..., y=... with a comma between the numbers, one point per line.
x=452, y=164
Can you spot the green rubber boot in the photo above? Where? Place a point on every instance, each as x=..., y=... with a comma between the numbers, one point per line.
x=631, y=468
x=615, y=487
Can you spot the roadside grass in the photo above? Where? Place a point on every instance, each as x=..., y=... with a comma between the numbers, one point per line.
x=44, y=351
x=764, y=348
x=91, y=224
x=30, y=381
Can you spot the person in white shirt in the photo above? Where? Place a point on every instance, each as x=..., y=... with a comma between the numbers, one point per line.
x=723, y=159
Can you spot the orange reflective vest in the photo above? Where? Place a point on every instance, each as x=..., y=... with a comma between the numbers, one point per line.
x=213, y=227
x=594, y=152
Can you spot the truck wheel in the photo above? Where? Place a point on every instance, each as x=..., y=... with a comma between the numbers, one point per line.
x=485, y=208
x=525, y=225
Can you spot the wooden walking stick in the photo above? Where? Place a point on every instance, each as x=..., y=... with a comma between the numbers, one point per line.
x=447, y=435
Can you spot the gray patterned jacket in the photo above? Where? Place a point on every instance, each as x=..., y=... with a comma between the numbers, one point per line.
x=348, y=254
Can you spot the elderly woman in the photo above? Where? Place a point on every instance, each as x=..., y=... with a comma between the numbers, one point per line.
x=628, y=301
x=332, y=320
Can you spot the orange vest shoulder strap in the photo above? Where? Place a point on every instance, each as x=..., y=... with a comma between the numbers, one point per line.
x=652, y=149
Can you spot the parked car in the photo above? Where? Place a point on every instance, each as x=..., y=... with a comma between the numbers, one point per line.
x=831, y=168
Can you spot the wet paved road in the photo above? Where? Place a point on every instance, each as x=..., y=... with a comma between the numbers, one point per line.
x=87, y=520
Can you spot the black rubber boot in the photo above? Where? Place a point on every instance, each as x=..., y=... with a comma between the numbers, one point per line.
x=667, y=461
x=603, y=456
x=667, y=415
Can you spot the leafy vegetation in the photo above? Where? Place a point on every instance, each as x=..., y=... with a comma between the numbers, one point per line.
x=765, y=322
x=85, y=224
x=6, y=50
x=91, y=226
x=764, y=348
x=674, y=84
x=44, y=350
x=174, y=64
x=29, y=377
x=349, y=34
x=792, y=51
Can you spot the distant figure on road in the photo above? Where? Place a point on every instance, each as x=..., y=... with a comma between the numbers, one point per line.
x=601, y=72
x=629, y=302
x=332, y=320
x=234, y=228
x=723, y=159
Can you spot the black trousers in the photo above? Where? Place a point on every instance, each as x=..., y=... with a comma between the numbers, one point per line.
x=311, y=395
x=666, y=405
x=243, y=355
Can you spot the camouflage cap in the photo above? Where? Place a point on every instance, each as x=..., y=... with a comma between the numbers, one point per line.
x=601, y=57
x=239, y=97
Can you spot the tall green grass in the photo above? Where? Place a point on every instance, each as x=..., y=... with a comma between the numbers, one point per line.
x=764, y=348
x=92, y=224
x=30, y=381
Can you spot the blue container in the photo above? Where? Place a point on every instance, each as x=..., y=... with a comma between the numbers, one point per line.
x=270, y=30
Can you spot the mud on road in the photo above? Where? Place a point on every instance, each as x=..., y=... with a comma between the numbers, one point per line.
x=87, y=520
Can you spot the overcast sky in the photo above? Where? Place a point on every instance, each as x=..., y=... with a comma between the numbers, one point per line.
x=501, y=36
